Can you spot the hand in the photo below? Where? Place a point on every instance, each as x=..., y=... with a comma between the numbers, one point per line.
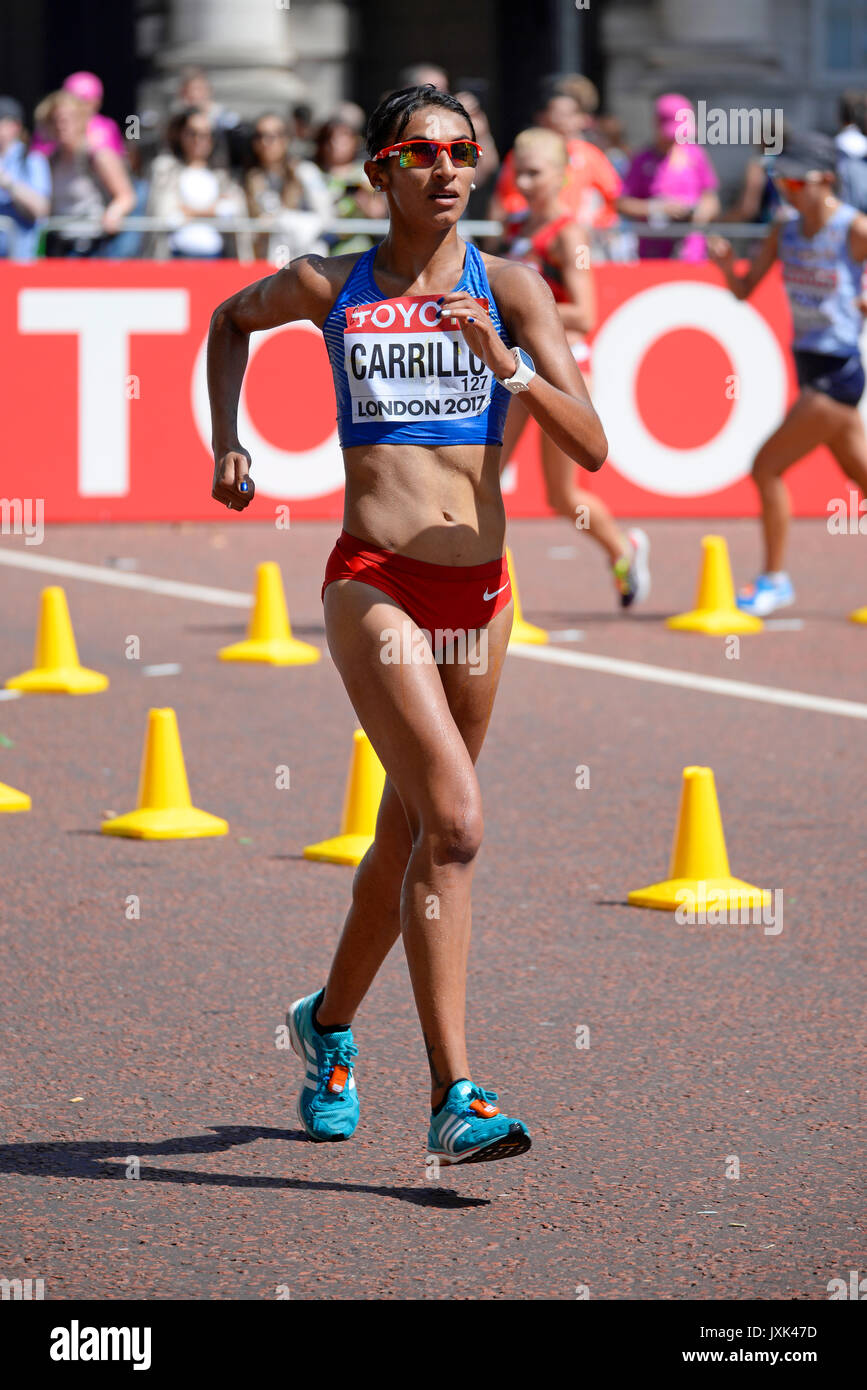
x=720, y=251
x=112, y=220
x=676, y=211
x=232, y=484
x=459, y=309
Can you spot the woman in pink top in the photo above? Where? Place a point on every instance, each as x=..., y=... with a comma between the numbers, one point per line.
x=102, y=132
x=671, y=181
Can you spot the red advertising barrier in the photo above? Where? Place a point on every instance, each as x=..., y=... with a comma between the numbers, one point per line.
x=105, y=401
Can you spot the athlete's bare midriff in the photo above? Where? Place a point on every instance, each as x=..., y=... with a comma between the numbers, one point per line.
x=438, y=503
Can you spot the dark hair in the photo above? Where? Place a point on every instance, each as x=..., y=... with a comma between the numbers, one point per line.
x=391, y=117
x=853, y=109
x=177, y=125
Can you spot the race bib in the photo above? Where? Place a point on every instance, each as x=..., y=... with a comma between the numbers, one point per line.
x=402, y=362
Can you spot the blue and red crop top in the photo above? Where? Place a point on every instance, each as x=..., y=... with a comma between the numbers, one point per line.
x=404, y=376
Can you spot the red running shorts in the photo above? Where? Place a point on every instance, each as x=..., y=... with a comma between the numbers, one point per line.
x=445, y=597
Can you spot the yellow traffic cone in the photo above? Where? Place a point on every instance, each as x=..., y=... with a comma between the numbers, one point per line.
x=269, y=636
x=360, y=806
x=11, y=800
x=859, y=616
x=522, y=631
x=715, y=608
x=699, y=874
x=55, y=660
x=164, y=810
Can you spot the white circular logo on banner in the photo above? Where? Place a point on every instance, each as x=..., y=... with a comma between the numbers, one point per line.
x=276, y=472
x=757, y=361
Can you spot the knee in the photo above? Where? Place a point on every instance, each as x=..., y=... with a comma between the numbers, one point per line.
x=455, y=837
x=761, y=470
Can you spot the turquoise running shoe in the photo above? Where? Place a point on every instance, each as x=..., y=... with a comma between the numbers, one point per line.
x=470, y=1128
x=328, y=1102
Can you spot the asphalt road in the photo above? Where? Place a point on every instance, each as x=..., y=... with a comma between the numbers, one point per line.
x=154, y=1039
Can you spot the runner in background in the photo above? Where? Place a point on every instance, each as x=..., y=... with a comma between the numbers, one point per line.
x=592, y=184
x=822, y=250
x=547, y=237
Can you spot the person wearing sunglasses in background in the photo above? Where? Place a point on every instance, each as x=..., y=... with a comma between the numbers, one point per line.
x=428, y=339
x=822, y=249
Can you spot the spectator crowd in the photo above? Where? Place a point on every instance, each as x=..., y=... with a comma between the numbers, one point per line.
x=205, y=173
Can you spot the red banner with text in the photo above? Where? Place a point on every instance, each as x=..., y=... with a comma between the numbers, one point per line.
x=106, y=410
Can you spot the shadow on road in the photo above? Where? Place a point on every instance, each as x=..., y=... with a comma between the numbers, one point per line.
x=85, y=1159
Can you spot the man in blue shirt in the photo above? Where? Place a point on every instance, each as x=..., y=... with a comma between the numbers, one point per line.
x=25, y=185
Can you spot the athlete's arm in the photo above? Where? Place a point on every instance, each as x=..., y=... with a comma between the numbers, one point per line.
x=556, y=397
x=305, y=289
x=858, y=237
x=721, y=253
x=572, y=256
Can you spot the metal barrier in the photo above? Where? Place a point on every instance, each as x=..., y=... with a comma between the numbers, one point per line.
x=378, y=226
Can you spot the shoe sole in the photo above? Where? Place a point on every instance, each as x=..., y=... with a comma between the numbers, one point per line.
x=509, y=1146
x=298, y=1049
x=642, y=567
x=766, y=612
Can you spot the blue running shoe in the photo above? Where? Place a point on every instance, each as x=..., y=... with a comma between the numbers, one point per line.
x=766, y=595
x=470, y=1129
x=328, y=1102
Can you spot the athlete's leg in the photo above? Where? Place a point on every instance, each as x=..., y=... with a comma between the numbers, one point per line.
x=404, y=710
x=849, y=447
x=582, y=508
x=812, y=420
x=372, y=923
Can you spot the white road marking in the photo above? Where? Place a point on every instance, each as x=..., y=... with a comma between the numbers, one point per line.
x=10, y=694
x=168, y=668
x=119, y=579
x=607, y=665
x=568, y=634
x=691, y=680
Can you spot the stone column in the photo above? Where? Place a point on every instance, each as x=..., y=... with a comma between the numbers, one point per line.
x=245, y=45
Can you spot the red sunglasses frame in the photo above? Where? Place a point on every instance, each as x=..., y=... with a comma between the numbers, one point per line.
x=440, y=146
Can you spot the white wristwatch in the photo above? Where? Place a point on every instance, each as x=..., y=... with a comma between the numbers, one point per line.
x=526, y=370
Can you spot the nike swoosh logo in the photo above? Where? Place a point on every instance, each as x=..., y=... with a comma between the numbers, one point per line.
x=486, y=595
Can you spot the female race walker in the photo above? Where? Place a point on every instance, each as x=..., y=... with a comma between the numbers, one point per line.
x=821, y=250
x=427, y=339
x=547, y=237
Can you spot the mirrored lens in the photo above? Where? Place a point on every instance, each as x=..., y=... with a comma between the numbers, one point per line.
x=420, y=156
x=462, y=153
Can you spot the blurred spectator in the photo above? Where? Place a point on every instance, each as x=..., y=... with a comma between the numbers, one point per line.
x=102, y=132
x=291, y=194
x=758, y=199
x=129, y=245
x=85, y=183
x=851, y=139
x=670, y=181
x=419, y=74
x=609, y=134
x=188, y=190
x=25, y=184
x=339, y=156
x=302, y=134
x=592, y=183
x=470, y=96
x=194, y=89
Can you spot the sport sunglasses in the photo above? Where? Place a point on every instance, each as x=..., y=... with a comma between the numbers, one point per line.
x=423, y=154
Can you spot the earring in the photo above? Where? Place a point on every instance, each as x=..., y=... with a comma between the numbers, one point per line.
x=472, y=185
